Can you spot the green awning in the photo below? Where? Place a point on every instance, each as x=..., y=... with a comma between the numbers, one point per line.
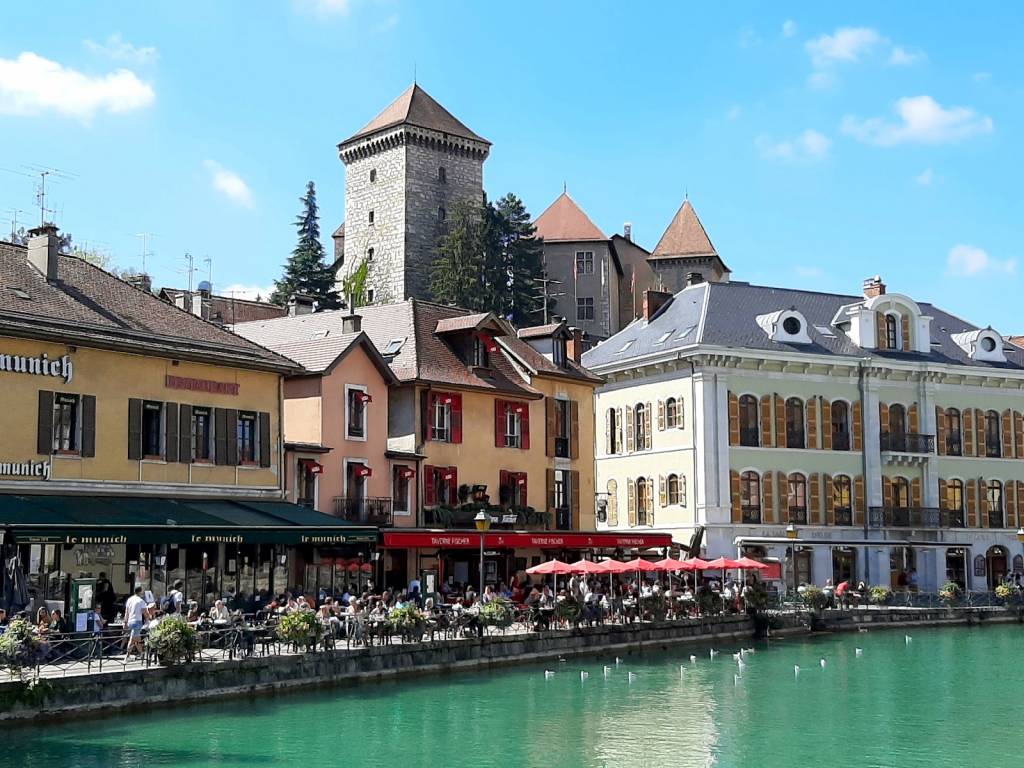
x=144, y=520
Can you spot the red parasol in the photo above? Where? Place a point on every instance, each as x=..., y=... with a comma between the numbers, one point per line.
x=615, y=566
x=723, y=563
x=639, y=564
x=553, y=566
x=587, y=566
x=748, y=563
x=695, y=564
x=670, y=564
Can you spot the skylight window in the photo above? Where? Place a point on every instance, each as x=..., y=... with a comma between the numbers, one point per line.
x=320, y=334
x=665, y=336
x=20, y=293
x=393, y=347
x=687, y=331
x=626, y=346
x=824, y=330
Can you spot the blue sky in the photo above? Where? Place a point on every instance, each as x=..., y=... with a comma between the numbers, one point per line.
x=819, y=145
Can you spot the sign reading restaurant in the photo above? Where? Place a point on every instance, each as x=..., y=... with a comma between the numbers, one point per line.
x=61, y=367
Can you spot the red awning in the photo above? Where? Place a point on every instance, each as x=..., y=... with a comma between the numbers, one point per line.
x=524, y=540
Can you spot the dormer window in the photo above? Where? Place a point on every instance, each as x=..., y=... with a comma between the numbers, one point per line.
x=481, y=359
x=558, y=352
x=984, y=345
x=786, y=326
x=891, y=333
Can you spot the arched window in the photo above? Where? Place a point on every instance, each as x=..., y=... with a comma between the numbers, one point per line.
x=892, y=336
x=794, y=423
x=994, y=502
x=993, y=447
x=797, y=498
x=749, y=421
x=897, y=420
x=750, y=497
x=954, y=439
x=671, y=413
x=640, y=427
x=442, y=174
x=840, y=426
x=954, y=503
x=842, y=500
x=442, y=214
x=901, y=493
x=673, y=489
x=644, y=501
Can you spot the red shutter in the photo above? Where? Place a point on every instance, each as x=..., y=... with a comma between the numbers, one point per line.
x=522, y=492
x=503, y=479
x=453, y=484
x=428, y=415
x=499, y=423
x=429, y=492
x=456, y=418
x=525, y=422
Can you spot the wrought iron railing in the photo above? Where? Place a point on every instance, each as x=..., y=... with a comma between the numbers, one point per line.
x=797, y=515
x=906, y=442
x=749, y=437
x=371, y=510
x=843, y=516
x=914, y=517
x=840, y=441
x=751, y=515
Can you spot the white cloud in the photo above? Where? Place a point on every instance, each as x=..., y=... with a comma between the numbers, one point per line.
x=117, y=48
x=788, y=28
x=970, y=261
x=809, y=145
x=847, y=44
x=324, y=7
x=922, y=120
x=925, y=178
x=900, y=57
x=734, y=112
x=32, y=85
x=229, y=184
x=243, y=291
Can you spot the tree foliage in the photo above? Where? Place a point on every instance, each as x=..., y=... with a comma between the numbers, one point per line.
x=306, y=271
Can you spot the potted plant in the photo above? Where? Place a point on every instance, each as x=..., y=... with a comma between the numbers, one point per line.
x=300, y=629
x=654, y=607
x=950, y=593
x=568, y=610
x=880, y=594
x=1007, y=594
x=497, y=613
x=21, y=649
x=408, y=621
x=172, y=641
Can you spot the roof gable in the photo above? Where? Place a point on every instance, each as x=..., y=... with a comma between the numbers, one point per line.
x=565, y=220
x=416, y=107
x=685, y=236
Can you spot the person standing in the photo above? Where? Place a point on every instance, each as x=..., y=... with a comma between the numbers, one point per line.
x=105, y=597
x=135, y=615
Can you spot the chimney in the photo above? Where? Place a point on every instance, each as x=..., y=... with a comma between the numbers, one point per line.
x=197, y=305
x=351, y=323
x=300, y=304
x=873, y=286
x=627, y=231
x=694, y=278
x=44, y=250
x=140, y=280
x=653, y=301
x=574, y=345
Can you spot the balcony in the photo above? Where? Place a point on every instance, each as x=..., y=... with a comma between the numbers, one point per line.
x=366, y=511
x=749, y=437
x=953, y=518
x=907, y=443
x=840, y=441
x=995, y=519
x=909, y=517
x=797, y=516
x=509, y=518
x=843, y=516
x=751, y=515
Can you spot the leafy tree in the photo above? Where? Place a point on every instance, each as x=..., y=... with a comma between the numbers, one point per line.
x=306, y=271
x=353, y=287
x=523, y=260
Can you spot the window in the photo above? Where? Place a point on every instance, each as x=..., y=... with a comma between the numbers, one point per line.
x=369, y=296
x=840, y=426
x=584, y=262
x=442, y=416
x=513, y=426
x=585, y=308
x=797, y=498
x=993, y=448
x=954, y=438
x=393, y=347
x=371, y=218
x=442, y=175
x=513, y=489
x=355, y=416
x=400, y=488
x=373, y=175
x=673, y=489
x=369, y=254
x=891, y=332
x=994, y=497
x=480, y=356
x=750, y=497
x=640, y=427
x=248, y=451
x=672, y=413
x=202, y=435
x=563, y=428
x=614, y=431
x=897, y=420
x=954, y=503
x=842, y=500
x=644, y=501
x=442, y=482
x=152, y=430
x=794, y=423
x=748, y=421
x=558, y=352
x=67, y=436
x=442, y=214
x=791, y=325
x=441, y=420
x=900, y=493
x=563, y=504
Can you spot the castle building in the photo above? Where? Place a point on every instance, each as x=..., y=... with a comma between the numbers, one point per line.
x=404, y=171
x=685, y=254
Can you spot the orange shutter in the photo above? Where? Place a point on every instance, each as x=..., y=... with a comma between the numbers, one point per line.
x=883, y=418
x=630, y=501
x=630, y=433
x=967, y=430
x=886, y=492
x=880, y=340
x=812, y=423
x=766, y=421
x=768, y=513
x=780, y=423
x=550, y=426
x=1010, y=502
x=858, y=428
x=983, y=503
x=1020, y=502
x=648, y=437
x=1007, y=434
x=661, y=412
x=972, y=504
x=734, y=483
x=826, y=425
x=662, y=492
x=940, y=430
x=905, y=324
x=830, y=502
x=734, y=419
x=859, y=500
x=815, y=514
x=783, y=485
x=979, y=431
x=943, y=487
x=1018, y=433
x=915, y=492
x=914, y=422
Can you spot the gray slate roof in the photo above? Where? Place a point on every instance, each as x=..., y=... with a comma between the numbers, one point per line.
x=730, y=312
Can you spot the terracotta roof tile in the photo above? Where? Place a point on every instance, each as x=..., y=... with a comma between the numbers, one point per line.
x=685, y=236
x=416, y=107
x=565, y=220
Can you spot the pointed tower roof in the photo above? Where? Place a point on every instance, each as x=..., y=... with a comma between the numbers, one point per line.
x=566, y=221
x=416, y=107
x=685, y=236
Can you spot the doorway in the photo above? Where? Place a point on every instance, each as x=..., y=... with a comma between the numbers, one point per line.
x=844, y=564
x=997, y=566
x=802, y=566
x=902, y=569
x=956, y=567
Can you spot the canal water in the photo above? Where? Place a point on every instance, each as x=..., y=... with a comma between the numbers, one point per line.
x=945, y=697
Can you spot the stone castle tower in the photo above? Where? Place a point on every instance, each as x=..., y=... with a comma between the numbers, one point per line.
x=403, y=172
x=685, y=253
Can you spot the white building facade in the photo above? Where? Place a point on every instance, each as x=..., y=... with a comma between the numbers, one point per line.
x=870, y=438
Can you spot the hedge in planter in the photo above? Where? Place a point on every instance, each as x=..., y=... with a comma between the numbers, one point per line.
x=21, y=649
x=300, y=628
x=172, y=641
x=408, y=621
x=880, y=595
x=497, y=613
x=950, y=593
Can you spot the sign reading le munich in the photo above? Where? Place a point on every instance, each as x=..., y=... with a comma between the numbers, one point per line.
x=38, y=366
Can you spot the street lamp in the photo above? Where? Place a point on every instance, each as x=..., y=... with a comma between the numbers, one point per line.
x=791, y=534
x=483, y=523
x=1020, y=534
x=790, y=531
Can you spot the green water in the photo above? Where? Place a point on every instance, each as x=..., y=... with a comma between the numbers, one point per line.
x=950, y=697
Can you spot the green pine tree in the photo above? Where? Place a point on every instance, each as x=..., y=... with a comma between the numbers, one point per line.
x=457, y=274
x=306, y=271
x=522, y=255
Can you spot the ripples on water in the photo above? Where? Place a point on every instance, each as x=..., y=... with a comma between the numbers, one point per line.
x=949, y=698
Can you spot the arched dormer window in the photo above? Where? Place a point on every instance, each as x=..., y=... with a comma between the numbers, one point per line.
x=892, y=332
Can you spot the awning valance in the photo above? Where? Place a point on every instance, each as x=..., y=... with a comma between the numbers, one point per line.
x=525, y=540
x=144, y=520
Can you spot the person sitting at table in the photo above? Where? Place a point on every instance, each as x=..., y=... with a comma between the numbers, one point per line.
x=547, y=599
x=379, y=611
x=400, y=601
x=489, y=595
x=220, y=612
x=42, y=620
x=58, y=624
x=533, y=599
x=193, y=612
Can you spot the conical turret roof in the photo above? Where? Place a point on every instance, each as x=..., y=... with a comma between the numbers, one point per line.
x=685, y=236
x=416, y=107
x=565, y=220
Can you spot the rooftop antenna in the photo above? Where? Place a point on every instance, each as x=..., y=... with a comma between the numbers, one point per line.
x=209, y=271
x=44, y=173
x=565, y=187
x=146, y=253
x=414, y=73
x=190, y=269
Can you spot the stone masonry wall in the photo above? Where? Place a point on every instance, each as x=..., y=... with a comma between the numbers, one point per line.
x=560, y=260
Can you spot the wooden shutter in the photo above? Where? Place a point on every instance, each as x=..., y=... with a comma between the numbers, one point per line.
x=662, y=492
x=613, y=504
x=550, y=492
x=887, y=492
x=648, y=418
x=574, y=498
x=940, y=430
x=979, y=431
x=503, y=480
x=913, y=421
x=426, y=422
x=661, y=415
x=220, y=436
x=171, y=432
x=264, y=425
x=185, y=433
x=967, y=430
x=780, y=422
x=680, y=412
x=830, y=502
x=630, y=501
x=1018, y=434
x=619, y=427
x=972, y=503
x=44, y=428
x=524, y=425
x=734, y=486
x=859, y=500
x=630, y=432
x=456, y=415
x=429, y=489
x=826, y=425
x=549, y=426
x=574, y=429
x=134, y=428
x=943, y=490
x=609, y=417
x=453, y=484
x=905, y=328
x=1020, y=503
x=815, y=513
x=499, y=423
x=734, y=419
x=768, y=510
x=812, y=423
x=231, y=435
x=915, y=492
x=983, y=503
x=857, y=441
x=880, y=340
x=883, y=418
x=1010, y=502
x=766, y=421
x=88, y=426
x=1007, y=434
x=783, y=486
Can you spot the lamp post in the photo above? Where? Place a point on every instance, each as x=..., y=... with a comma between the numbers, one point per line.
x=483, y=523
x=791, y=534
